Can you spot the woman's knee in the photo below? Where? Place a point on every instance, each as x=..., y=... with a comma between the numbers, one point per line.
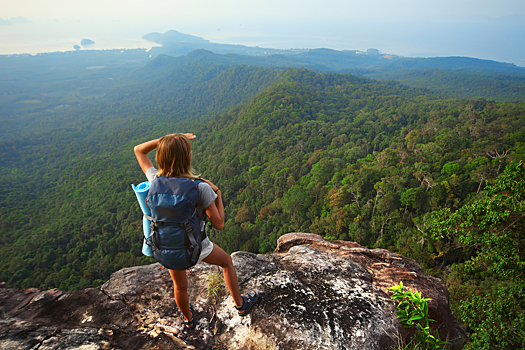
x=225, y=261
x=180, y=281
x=219, y=257
x=180, y=287
x=228, y=262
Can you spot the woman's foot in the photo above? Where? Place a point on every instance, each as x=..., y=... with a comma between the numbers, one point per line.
x=191, y=324
x=249, y=300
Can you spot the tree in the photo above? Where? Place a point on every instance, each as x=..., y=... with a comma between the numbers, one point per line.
x=294, y=199
x=494, y=225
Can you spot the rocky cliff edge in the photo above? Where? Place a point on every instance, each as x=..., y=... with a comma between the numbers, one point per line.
x=315, y=294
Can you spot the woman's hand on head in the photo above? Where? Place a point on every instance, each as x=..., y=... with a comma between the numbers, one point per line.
x=189, y=136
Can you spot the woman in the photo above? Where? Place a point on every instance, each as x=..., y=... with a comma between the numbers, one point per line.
x=173, y=159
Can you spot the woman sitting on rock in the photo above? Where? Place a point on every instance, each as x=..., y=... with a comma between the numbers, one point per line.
x=173, y=159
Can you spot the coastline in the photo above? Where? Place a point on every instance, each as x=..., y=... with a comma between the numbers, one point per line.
x=46, y=36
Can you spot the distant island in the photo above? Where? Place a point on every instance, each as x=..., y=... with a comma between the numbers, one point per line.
x=14, y=20
x=76, y=47
x=173, y=36
x=86, y=42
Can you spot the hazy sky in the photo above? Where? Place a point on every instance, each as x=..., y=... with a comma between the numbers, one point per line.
x=474, y=28
x=240, y=9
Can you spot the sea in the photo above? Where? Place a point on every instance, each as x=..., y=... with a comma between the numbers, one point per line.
x=41, y=36
x=500, y=39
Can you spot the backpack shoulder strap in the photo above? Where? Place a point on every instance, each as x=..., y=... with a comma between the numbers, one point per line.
x=205, y=219
x=190, y=232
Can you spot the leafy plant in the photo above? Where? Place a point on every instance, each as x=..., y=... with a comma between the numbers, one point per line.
x=412, y=311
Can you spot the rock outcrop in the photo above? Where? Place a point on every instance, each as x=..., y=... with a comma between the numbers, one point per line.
x=86, y=42
x=315, y=294
x=87, y=319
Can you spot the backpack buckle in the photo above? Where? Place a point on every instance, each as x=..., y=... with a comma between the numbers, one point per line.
x=189, y=228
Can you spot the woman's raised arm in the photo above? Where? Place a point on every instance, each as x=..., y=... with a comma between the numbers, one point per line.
x=141, y=152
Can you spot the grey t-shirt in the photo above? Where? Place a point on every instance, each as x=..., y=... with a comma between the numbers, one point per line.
x=206, y=196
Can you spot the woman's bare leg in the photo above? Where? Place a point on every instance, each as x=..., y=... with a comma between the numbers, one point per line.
x=221, y=258
x=180, y=288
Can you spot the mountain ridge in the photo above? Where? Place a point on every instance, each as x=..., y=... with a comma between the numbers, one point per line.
x=345, y=58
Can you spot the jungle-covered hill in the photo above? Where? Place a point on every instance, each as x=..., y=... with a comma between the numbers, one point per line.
x=339, y=155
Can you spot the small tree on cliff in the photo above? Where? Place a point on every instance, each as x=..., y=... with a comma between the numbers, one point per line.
x=495, y=226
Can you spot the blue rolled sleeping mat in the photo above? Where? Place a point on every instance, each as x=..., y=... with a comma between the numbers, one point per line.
x=141, y=191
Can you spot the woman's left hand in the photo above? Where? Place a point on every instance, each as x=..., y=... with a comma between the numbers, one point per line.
x=213, y=187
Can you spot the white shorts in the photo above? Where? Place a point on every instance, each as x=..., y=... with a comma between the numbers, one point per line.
x=207, y=248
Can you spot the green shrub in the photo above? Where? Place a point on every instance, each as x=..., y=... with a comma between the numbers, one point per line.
x=412, y=311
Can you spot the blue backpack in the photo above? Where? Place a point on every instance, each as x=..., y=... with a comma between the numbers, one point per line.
x=176, y=237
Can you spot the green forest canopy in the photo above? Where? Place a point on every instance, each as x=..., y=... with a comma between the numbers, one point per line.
x=333, y=154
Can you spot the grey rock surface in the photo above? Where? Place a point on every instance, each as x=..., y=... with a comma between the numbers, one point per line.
x=314, y=294
x=86, y=320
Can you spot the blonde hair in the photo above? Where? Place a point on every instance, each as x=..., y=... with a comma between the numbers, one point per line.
x=174, y=157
